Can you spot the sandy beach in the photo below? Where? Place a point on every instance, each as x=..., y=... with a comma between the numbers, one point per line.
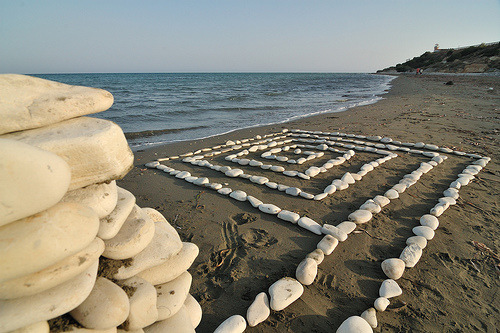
x=453, y=288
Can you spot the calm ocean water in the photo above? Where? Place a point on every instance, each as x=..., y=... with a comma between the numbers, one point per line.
x=167, y=107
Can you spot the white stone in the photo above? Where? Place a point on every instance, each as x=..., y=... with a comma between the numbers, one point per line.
x=309, y=224
x=111, y=224
x=347, y=226
x=356, y=176
x=107, y=306
x=102, y=198
x=429, y=221
x=347, y=177
x=269, y=209
x=54, y=275
x=389, y=289
x=400, y=188
x=233, y=324
x=318, y=255
x=172, y=295
x=306, y=271
x=293, y=191
x=284, y=292
x=327, y=244
x=418, y=240
x=234, y=172
x=165, y=244
x=463, y=181
x=194, y=310
x=448, y=200
x=381, y=200
x=424, y=231
x=277, y=168
x=371, y=206
x=172, y=267
x=32, y=179
x=34, y=243
x=49, y=304
x=259, y=180
x=95, y=149
x=360, y=216
x=178, y=323
x=312, y=171
x=355, y=324
x=238, y=195
x=391, y=194
x=224, y=190
x=381, y=304
x=30, y=102
x=393, y=268
x=451, y=192
x=255, y=163
x=259, y=310
x=290, y=173
x=254, y=201
x=133, y=237
x=320, y=196
x=201, y=181
x=339, y=184
x=328, y=229
x=306, y=195
x=289, y=216
x=40, y=327
x=411, y=255
x=143, y=311
x=370, y=315
x=183, y=175
x=367, y=167
x=437, y=210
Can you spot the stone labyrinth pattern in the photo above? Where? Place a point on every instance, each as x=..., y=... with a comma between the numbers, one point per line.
x=294, y=151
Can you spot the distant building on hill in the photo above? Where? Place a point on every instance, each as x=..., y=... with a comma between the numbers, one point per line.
x=436, y=47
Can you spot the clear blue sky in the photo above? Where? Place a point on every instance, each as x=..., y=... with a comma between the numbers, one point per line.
x=67, y=36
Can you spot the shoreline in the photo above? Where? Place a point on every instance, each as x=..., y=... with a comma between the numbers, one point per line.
x=243, y=251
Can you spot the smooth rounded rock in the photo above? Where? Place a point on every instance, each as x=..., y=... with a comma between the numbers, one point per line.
x=451, y=192
x=172, y=267
x=172, y=295
x=400, y=188
x=381, y=200
x=418, y=240
x=40, y=327
x=178, y=323
x=424, y=231
x=233, y=324
x=234, y=173
x=289, y=216
x=194, y=310
x=306, y=271
x=381, y=304
x=110, y=225
x=360, y=216
x=391, y=194
x=269, y=209
x=430, y=221
x=41, y=240
x=347, y=226
x=389, y=289
x=95, y=149
x=102, y=198
x=32, y=180
x=143, y=311
x=20, y=312
x=309, y=224
x=327, y=244
x=340, y=185
x=411, y=255
x=238, y=195
x=165, y=244
x=107, y=306
x=371, y=206
x=393, y=268
x=284, y=292
x=318, y=255
x=254, y=201
x=370, y=315
x=347, y=177
x=259, y=310
x=355, y=324
x=54, y=275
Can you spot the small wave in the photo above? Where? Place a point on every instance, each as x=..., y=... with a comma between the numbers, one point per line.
x=149, y=133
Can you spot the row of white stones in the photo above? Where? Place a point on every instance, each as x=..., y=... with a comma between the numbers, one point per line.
x=394, y=268
x=287, y=290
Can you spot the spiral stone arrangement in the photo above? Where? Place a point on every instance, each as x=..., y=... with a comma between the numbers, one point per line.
x=76, y=252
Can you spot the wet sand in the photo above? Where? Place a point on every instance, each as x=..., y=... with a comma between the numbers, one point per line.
x=453, y=288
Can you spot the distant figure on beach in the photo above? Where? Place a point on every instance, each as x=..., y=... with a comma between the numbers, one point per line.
x=419, y=71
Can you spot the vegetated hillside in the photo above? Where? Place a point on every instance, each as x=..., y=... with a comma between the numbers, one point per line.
x=473, y=59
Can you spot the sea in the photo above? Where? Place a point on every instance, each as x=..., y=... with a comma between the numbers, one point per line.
x=160, y=108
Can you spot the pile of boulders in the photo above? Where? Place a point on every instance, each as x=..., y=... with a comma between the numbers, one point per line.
x=76, y=252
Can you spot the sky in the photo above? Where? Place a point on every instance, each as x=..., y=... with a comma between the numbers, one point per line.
x=115, y=36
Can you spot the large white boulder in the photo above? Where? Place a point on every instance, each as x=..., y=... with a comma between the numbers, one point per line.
x=172, y=295
x=31, y=179
x=41, y=240
x=284, y=292
x=178, y=323
x=30, y=102
x=143, y=311
x=102, y=198
x=95, y=149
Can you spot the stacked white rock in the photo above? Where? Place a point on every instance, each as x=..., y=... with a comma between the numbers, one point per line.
x=64, y=222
